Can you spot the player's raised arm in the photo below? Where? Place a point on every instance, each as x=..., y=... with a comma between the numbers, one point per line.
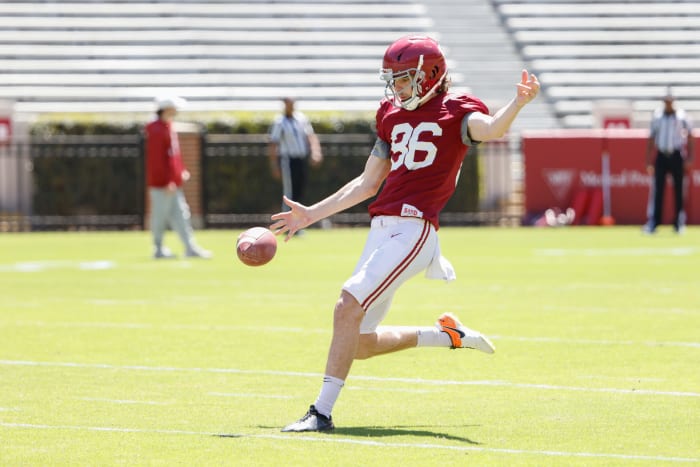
x=484, y=127
x=355, y=191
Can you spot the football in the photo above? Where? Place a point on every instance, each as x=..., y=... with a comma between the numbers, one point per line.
x=256, y=246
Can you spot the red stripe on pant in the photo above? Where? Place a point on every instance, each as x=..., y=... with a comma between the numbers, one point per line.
x=400, y=268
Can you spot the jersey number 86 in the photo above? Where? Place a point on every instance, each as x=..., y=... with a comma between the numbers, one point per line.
x=405, y=141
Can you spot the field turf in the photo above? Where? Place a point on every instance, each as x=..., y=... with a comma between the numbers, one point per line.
x=108, y=357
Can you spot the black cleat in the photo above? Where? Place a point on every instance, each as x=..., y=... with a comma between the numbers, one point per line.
x=312, y=421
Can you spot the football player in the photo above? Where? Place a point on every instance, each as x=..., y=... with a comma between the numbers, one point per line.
x=423, y=134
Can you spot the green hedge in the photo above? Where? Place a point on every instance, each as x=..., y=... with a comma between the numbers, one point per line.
x=51, y=129
x=79, y=185
x=238, y=176
x=261, y=125
x=79, y=178
x=254, y=125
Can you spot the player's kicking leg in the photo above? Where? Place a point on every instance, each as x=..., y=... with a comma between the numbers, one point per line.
x=447, y=332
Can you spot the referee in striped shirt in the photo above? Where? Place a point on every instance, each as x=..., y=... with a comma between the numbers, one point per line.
x=670, y=129
x=292, y=145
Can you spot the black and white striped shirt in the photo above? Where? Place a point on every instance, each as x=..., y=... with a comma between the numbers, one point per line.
x=292, y=135
x=670, y=130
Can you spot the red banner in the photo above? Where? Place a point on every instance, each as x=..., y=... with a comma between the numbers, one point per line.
x=5, y=130
x=563, y=168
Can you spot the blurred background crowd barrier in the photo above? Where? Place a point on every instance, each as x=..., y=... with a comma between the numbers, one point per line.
x=94, y=182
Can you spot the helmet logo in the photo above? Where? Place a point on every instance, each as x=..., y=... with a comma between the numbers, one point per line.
x=435, y=71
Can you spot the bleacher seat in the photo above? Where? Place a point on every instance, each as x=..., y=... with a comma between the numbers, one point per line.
x=593, y=50
x=89, y=55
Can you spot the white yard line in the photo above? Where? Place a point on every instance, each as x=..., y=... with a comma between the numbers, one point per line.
x=416, y=391
x=302, y=330
x=635, y=252
x=559, y=340
x=249, y=395
x=605, y=309
x=40, y=266
x=176, y=327
x=361, y=442
x=122, y=401
x=428, y=382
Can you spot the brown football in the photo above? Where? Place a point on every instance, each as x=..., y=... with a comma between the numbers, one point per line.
x=256, y=246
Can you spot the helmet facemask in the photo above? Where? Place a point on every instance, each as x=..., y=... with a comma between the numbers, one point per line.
x=417, y=76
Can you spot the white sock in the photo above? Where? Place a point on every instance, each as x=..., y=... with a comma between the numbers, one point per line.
x=432, y=337
x=329, y=394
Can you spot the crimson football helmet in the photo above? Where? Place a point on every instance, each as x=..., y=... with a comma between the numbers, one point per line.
x=420, y=58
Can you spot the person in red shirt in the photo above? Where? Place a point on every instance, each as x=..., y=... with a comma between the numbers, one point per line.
x=423, y=133
x=165, y=174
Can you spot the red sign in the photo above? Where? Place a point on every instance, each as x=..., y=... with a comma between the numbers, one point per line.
x=616, y=122
x=5, y=130
x=560, y=165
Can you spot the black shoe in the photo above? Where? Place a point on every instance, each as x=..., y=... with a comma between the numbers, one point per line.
x=312, y=421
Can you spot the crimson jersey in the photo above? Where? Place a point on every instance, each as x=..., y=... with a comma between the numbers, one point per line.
x=426, y=151
x=163, y=159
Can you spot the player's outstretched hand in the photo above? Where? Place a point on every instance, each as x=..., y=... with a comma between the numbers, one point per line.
x=292, y=221
x=528, y=87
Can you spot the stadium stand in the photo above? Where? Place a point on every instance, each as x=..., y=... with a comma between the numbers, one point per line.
x=97, y=56
x=88, y=55
x=485, y=60
x=591, y=51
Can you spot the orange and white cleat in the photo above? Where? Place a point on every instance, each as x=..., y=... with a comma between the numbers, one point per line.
x=463, y=337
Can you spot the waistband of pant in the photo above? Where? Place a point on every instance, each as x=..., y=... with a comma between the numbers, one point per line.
x=670, y=153
x=386, y=221
x=294, y=156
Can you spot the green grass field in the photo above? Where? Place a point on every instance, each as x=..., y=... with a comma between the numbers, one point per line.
x=108, y=357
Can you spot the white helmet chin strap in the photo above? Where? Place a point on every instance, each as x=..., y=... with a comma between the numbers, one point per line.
x=411, y=103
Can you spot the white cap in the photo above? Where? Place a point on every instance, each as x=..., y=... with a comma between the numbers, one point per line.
x=669, y=94
x=170, y=102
